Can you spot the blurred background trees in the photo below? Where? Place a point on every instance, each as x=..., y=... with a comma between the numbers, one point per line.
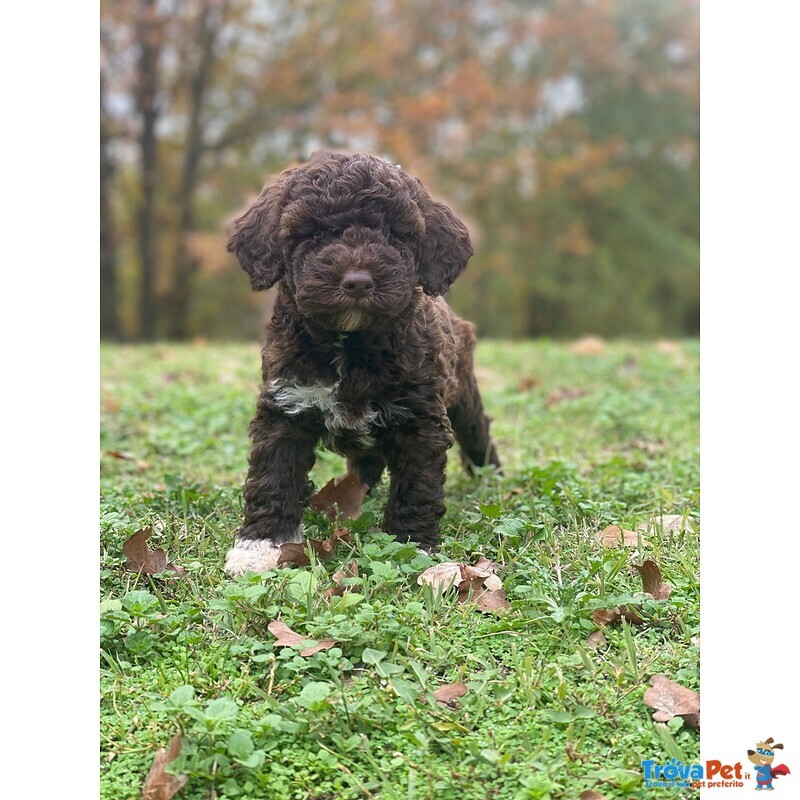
x=564, y=132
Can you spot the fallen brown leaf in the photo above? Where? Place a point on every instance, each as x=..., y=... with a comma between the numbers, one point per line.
x=340, y=497
x=527, y=382
x=109, y=405
x=295, y=552
x=668, y=347
x=558, y=396
x=651, y=584
x=473, y=579
x=611, y=615
x=447, y=695
x=673, y=349
x=651, y=580
x=589, y=794
x=481, y=586
x=483, y=568
x=668, y=523
x=588, y=346
x=492, y=583
x=140, y=558
x=492, y=601
x=123, y=456
x=670, y=700
x=441, y=576
x=614, y=536
x=350, y=571
x=596, y=639
x=286, y=637
x=160, y=785
x=475, y=583
x=648, y=446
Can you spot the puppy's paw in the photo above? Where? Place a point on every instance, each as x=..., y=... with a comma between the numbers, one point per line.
x=254, y=555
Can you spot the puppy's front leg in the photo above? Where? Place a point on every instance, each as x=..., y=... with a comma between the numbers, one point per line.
x=416, y=459
x=276, y=490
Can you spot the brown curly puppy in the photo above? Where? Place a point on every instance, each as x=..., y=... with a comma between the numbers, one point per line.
x=361, y=353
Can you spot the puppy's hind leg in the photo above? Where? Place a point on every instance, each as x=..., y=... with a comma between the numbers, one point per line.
x=471, y=427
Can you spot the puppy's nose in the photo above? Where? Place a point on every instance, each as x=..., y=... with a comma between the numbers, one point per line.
x=357, y=283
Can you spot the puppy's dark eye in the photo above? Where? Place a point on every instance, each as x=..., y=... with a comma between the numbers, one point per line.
x=318, y=234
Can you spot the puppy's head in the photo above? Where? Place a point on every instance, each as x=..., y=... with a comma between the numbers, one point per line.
x=351, y=237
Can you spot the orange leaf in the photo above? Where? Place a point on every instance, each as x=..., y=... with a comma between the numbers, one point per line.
x=670, y=700
x=651, y=580
x=160, y=785
x=441, y=576
x=447, y=695
x=609, y=616
x=350, y=571
x=140, y=558
x=614, y=536
x=286, y=637
x=588, y=346
x=340, y=497
x=295, y=552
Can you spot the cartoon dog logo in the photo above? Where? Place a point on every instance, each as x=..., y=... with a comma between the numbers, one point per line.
x=762, y=757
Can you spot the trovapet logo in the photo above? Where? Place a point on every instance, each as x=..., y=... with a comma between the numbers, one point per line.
x=762, y=758
x=674, y=774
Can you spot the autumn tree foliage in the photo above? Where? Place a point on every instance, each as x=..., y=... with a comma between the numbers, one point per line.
x=565, y=132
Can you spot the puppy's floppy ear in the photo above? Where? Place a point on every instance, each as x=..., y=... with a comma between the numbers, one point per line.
x=255, y=238
x=444, y=248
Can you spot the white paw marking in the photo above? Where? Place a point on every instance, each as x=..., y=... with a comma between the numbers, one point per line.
x=254, y=555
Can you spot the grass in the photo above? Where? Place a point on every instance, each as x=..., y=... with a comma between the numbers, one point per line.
x=587, y=441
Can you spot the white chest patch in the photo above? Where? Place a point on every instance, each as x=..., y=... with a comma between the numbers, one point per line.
x=295, y=398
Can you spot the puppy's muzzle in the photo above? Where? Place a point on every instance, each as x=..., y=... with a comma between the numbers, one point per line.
x=357, y=283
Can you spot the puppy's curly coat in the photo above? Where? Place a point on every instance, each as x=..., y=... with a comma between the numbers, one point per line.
x=362, y=351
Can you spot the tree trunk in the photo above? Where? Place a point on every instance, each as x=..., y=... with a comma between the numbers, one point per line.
x=109, y=318
x=208, y=25
x=149, y=37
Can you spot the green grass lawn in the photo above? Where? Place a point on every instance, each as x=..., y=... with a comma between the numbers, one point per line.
x=587, y=441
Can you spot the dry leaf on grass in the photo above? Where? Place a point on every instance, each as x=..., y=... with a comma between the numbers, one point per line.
x=108, y=404
x=123, y=456
x=441, y=576
x=668, y=523
x=160, y=785
x=295, y=552
x=648, y=446
x=475, y=583
x=673, y=349
x=614, y=536
x=492, y=601
x=596, y=639
x=340, y=497
x=651, y=581
x=140, y=558
x=651, y=584
x=286, y=637
x=447, y=695
x=670, y=700
x=589, y=794
x=350, y=571
x=588, y=346
x=611, y=615
x=560, y=395
x=527, y=382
